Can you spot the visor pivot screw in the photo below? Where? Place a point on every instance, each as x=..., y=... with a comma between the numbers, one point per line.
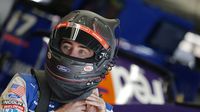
x=49, y=55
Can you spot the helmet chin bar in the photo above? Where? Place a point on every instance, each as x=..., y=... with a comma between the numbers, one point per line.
x=98, y=79
x=72, y=70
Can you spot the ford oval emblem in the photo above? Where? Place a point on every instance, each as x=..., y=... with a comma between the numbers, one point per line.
x=63, y=68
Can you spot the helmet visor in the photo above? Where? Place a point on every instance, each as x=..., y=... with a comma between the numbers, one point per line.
x=78, y=33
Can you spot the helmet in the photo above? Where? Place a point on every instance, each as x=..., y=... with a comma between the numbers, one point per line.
x=91, y=30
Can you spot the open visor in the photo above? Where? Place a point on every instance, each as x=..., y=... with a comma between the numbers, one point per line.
x=93, y=39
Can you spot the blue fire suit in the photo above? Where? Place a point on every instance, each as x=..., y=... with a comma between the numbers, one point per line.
x=21, y=95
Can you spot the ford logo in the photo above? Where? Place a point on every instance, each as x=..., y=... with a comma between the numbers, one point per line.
x=63, y=68
x=13, y=95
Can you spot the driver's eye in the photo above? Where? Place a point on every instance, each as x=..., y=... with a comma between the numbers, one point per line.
x=84, y=53
x=76, y=49
x=66, y=48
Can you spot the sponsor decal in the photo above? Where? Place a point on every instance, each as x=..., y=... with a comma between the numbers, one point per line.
x=136, y=88
x=17, y=89
x=12, y=102
x=13, y=108
x=14, y=96
x=63, y=68
x=88, y=68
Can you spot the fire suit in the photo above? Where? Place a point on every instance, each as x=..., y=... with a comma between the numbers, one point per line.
x=22, y=93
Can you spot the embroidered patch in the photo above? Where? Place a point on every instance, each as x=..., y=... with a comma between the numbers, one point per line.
x=12, y=106
x=17, y=89
x=11, y=102
x=13, y=96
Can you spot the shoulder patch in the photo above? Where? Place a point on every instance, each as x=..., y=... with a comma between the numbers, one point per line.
x=17, y=89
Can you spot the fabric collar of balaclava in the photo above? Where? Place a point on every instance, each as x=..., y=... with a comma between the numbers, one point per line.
x=65, y=92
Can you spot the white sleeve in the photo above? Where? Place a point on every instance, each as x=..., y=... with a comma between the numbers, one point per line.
x=14, y=96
